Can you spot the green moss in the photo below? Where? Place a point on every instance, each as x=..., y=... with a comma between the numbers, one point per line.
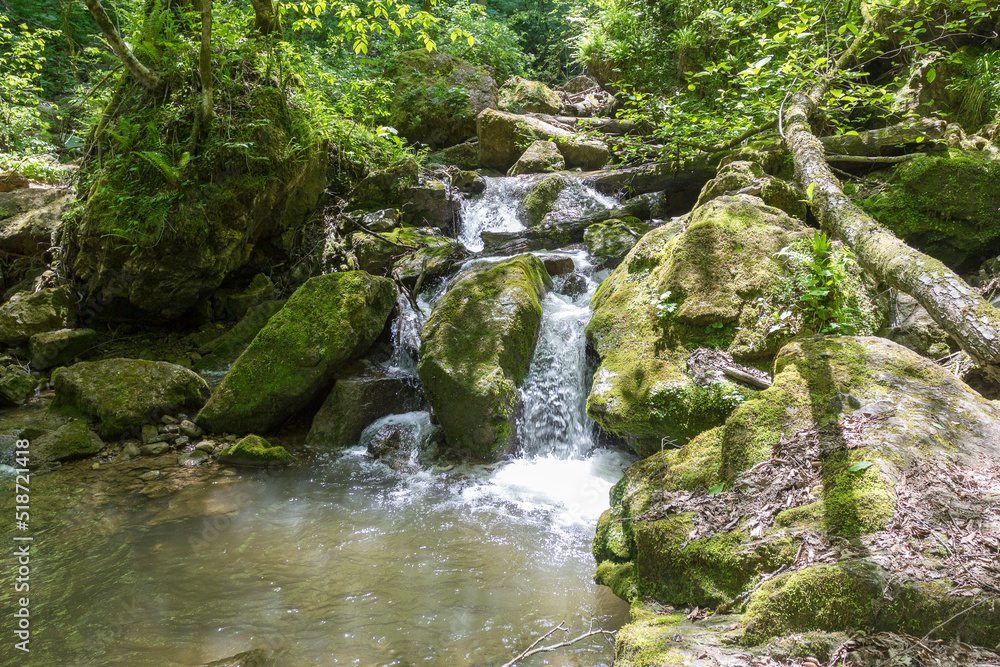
x=620, y=578
x=519, y=95
x=806, y=516
x=541, y=198
x=612, y=539
x=328, y=322
x=857, y=502
x=822, y=597
x=476, y=348
x=944, y=205
x=72, y=441
x=254, y=450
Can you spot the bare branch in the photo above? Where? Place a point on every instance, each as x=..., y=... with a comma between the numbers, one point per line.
x=143, y=74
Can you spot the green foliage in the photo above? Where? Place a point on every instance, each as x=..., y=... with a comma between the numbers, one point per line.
x=818, y=296
x=21, y=62
x=493, y=42
x=979, y=91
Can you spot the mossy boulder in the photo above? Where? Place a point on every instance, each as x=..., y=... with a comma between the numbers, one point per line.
x=385, y=187
x=73, y=440
x=866, y=428
x=124, y=394
x=464, y=156
x=943, y=204
x=679, y=289
x=437, y=97
x=540, y=157
x=223, y=350
x=749, y=177
x=29, y=313
x=255, y=452
x=410, y=249
x=542, y=197
x=503, y=138
x=327, y=323
x=161, y=231
x=16, y=385
x=608, y=242
x=520, y=95
x=475, y=350
x=55, y=348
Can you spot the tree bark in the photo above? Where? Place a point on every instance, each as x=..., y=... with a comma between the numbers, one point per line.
x=266, y=20
x=143, y=74
x=953, y=304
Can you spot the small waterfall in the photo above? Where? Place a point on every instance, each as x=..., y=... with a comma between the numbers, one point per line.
x=554, y=395
x=495, y=210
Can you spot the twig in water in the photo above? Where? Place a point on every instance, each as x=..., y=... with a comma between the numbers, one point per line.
x=532, y=650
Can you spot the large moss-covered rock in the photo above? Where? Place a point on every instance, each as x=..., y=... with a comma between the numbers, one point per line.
x=359, y=398
x=437, y=97
x=503, y=138
x=162, y=231
x=254, y=451
x=520, y=95
x=223, y=350
x=542, y=197
x=945, y=205
x=124, y=394
x=541, y=157
x=327, y=323
x=857, y=437
x=27, y=314
x=749, y=177
x=475, y=350
x=676, y=290
x=73, y=440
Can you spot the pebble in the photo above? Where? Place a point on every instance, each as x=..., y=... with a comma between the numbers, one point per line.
x=152, y=474
x=181, y=441
x=206, y=446
x=192, y=458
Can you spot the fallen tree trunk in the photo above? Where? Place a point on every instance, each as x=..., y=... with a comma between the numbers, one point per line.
x=953, y=304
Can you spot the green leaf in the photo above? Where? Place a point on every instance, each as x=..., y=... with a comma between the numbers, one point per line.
x=810, y=190
x=931, y=75
x=717, y=489
x=860, y=465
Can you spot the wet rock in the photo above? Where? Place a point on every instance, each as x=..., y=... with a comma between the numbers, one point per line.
x=573, y=285
x=254, y=451
x=193, y=458
x=409, y=250
x=520, y=95
x=71, y=441
x=558, y=265
x=130, y=450
x=206, y=446
x=57, y=348
x=475, y=350
x=399, y=440
x=155, y=448
x=542, y=198
x=468, y=182
x=330, y=321
x=28, y=314
x=381, y=221
x=682, y=181
x=190, y=429
x=359, y=397
x=430, y=204
x=123, y=394
x=16, y=385
x=255, y=658
x=503, y=137
x=608, y=242
x=437, y=97
x=541, y=157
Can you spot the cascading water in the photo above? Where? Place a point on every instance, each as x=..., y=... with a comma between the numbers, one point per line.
x=554, y=394
x=495, y=210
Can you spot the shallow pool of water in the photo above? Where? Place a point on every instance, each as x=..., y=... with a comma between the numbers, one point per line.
x=341, y=561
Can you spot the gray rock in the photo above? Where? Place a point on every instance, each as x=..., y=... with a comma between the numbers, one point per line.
x=540, y=157
x=70, y=441
x=31, y=218
x=193, y=458
x=190, y=429
x=130, y=450
x=358, y=398
x=156, y=449
x=57, y=348
x=206, y=446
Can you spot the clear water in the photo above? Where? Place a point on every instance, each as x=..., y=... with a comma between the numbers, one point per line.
x=343, y=559
x=495, y=210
